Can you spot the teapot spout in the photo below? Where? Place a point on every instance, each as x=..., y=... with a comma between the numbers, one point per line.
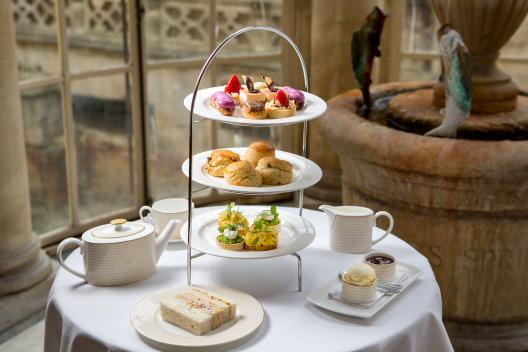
x=164, y=236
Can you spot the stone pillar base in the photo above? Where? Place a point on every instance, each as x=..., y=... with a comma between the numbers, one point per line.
x=17, y=307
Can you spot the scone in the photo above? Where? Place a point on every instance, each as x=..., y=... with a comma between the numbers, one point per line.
x=275, y=171
x=254, y=110
x=218, y=160
x=280, y=106
x=257, y=151
x=242, y=173
x=249, y=93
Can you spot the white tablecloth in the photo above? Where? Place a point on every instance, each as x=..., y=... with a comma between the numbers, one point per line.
x=81, y=317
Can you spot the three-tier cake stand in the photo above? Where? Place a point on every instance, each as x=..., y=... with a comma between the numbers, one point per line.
x=315, y=108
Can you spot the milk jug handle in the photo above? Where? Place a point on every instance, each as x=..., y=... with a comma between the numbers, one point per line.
x=391, y=224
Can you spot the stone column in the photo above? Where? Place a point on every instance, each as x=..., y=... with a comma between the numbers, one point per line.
x=23, y=264
x=331, y=73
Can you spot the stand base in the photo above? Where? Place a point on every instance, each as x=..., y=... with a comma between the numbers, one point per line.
x=299, y=268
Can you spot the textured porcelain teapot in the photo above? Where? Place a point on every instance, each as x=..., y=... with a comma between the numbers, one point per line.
x=118, y=253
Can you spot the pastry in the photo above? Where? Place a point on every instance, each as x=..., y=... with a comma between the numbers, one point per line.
x=296, y=95
x=242, y=173
x=254, y=110
x=197, y=310
x=230, y=238
x=257, y=151
x=261, y=239
x=268, y=219
x=223, y=103
x=218, y=160
x=275, y=171
x=259, y=85
x=280, y=106
x=233, y=88
x=249, y=93
x=230, y=216
x=270, y=89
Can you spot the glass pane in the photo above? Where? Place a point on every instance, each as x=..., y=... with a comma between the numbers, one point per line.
x=419, y=69
x=103, y=135
x=96, y=31
x=36, y=36
x=419, y=27
x=46, y=163
x=167, y=130
x=237, y=136
x=232, y=15
x=177, y=28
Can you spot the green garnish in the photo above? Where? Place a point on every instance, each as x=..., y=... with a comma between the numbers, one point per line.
x=261, y=222
x=223, y=239
x=255, y=241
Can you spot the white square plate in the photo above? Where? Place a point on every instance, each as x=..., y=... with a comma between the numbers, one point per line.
x=320, y=296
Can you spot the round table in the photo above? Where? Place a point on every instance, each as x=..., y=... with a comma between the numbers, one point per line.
x=81, y=317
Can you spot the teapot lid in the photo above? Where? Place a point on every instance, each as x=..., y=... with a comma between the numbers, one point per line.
x=118, y=230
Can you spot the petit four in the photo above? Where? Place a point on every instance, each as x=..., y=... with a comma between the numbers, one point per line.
x=280, y=106
x=275, y=171
x=296, y=95
x=230, y=216
x=258, y=150
x=249, y=93
x=359, y=284
x=269, y=219
x=242, y=173
x=218, y=161
x=254, y=110
x=270, y=89
x=259, y=85
x=230, y=238
x=233, y=88
x=223, y=103
x=197, y=310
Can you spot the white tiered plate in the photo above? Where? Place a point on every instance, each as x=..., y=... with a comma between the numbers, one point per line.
x=320, y=296
x=146, y=319
x=306, y=173
x=313, y=108
x=296, y=234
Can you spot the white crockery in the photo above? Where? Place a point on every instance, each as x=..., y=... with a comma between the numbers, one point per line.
x=118, y=253
x=358, y=294
x=147, y=321
x=351, y=227
x=296, y=234
x=164, y=210
x=313, y=108
x=305, y=174
x=384, y=272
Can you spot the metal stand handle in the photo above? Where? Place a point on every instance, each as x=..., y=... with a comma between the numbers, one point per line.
x=196, y=86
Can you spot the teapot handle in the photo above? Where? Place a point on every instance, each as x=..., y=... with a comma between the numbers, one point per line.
x=61, y=246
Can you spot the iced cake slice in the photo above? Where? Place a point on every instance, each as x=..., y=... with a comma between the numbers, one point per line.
x=197, y=310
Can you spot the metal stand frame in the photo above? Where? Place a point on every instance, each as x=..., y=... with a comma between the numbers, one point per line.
x=211, y=57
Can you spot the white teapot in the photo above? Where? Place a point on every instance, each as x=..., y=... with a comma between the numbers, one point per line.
x=118, y=253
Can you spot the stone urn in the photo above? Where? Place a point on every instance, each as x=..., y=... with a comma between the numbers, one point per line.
x=461, y=202
x=485, y=26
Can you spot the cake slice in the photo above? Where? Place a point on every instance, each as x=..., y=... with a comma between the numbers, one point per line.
x=197, y=310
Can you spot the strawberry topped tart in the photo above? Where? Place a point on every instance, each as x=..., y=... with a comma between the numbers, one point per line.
x=280, y=106
x=233, y=88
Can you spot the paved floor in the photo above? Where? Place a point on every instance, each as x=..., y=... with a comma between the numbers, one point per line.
x=29, y=340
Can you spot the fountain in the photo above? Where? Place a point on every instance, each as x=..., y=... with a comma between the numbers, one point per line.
x=460, y=201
